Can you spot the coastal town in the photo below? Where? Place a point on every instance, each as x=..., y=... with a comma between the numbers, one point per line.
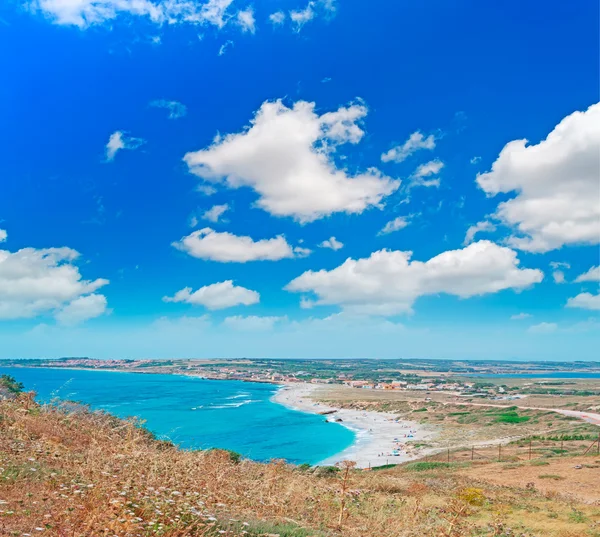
x=481, y=379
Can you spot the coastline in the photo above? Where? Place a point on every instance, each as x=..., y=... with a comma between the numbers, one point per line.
x=378, y=434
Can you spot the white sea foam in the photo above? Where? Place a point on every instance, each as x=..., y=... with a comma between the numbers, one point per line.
x=233, y=405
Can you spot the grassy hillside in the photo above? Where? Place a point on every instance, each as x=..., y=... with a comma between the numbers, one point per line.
x=67, y=472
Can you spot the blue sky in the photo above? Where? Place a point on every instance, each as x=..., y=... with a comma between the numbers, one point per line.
x=224, y=178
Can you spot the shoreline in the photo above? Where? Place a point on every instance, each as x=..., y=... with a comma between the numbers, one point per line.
x=378, y=435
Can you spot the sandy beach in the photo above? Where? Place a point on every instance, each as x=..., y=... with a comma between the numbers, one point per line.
x=378, y=434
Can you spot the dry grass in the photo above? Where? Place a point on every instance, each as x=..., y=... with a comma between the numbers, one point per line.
x=66, y=472
x=456, y=424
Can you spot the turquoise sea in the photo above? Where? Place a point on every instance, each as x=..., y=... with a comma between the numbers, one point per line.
x=197, y=413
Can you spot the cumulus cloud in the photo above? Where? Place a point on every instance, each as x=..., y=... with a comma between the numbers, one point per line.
x=3, y=235
x=245, y=19
x=418, y=178
x=286, y=156
x=120, y=140
x=592, y=275
x=207, y=190
x=396, y=224
x=277, y=18
x=556, y=185
x=301, y=17
x=332, y=243
x=543, y=328
x=86, y=13
x=81, y=309
x=388, y=282
x=226, y=247
x=39, y=281
x=558, y=275
x=415, y=142
x=520, y=316
x=216, y=296
x=215, y=212
x=477, y=228
x=252, y=323
x=585, y=301
x=175, y=108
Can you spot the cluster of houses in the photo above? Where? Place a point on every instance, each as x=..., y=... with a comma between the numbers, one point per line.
x=302, y=376
x=403, y=385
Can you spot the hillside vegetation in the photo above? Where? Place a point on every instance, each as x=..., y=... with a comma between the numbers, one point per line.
x=69, y=472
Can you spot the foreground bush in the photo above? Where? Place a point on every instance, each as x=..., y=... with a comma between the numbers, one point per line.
x=68, y=472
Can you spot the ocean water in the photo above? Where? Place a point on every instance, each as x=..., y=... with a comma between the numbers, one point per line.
x=197, y=413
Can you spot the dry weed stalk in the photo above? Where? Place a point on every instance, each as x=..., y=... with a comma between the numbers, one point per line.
x=346, y=466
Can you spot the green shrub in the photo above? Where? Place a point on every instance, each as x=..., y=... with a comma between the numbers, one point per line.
x=424, y=466
x=10, y=385
x=384, y=467
x=511, y=417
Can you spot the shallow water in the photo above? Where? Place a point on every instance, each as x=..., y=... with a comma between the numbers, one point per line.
x=197, y=413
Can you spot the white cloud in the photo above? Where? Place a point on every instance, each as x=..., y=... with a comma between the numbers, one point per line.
x=558, y=275
x=432, y=167
x=3, y=235
x=415, y=142
x=245, y=19
x=477, y=228
x=299, y=251
x=396, y=224
x=277, y=18
x=207, y=190
x=226, y=247
x=585, y=301
x=556, y=182
x=120, y=140
x=37, y=281
x=81, y=309
x=285, y=155
x=213, y=12
x=301, y=17
x=252, y=323
x=215, y=212
x=520, y=316
x=332, y=243
x=86, y=13
x=193, y=221
x=475, y=160
x=216, y=296
x=543, y=328
x=175, y=108
x=223, y=48
x=388, y=282
x=592, y=275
